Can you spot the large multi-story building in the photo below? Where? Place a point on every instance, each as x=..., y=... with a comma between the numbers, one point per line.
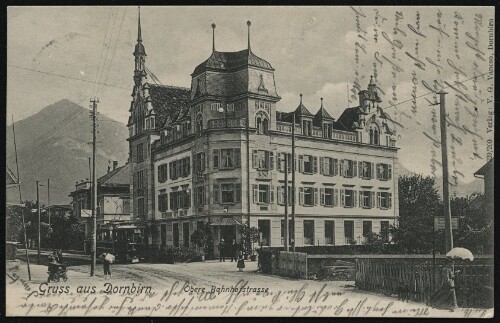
x=214, y=153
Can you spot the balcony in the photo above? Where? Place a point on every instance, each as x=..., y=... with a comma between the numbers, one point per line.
x=316, y=132
x=227, y=123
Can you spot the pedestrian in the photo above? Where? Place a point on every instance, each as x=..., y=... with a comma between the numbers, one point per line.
x=234, y=251
x=60, y=255
x=241, y=262
x=445, y=297
x=108, y=259
x=222, y=247
x=55, y=255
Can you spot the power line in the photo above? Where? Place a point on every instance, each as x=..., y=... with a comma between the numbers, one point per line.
x=102, y=50
x=101, y=72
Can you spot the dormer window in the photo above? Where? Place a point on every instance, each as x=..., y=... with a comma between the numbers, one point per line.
x=307, y=127
x=374, y=135
x=327, y=130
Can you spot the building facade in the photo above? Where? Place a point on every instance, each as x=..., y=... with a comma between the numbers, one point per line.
x=215, y=154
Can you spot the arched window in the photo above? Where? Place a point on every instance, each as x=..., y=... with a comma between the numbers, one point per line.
x=376, y=137
x=262, y=124
x=371, y=136
x=199, y=123
x=374, y=134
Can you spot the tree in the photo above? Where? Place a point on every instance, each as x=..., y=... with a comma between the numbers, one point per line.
x=202, y=237
x=418, y=205
x=249, y=235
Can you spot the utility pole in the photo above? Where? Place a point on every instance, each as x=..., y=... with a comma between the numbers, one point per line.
x=48, y=198
x=20, y=202
x=293, y=182
x=39, y=217
x=444, y=156
x=286, y=203
x=94, y=189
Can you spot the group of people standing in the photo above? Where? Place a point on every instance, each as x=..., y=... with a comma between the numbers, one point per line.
x=234, y=251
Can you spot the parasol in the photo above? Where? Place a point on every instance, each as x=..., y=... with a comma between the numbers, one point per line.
x=460, y=253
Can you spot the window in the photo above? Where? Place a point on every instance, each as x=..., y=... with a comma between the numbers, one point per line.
x=308, y=164
x=185, y=234
x=175, y=234
x=163, y=201
x=199, y=195
x=263, y=160
x=308, y=196
x=374, y=135
x=215, y=107
x=265, y=232
x=347, y=198
x=327, y=130
x=180, y=168
x=329, y=232
x=384, y=172
x=262, y=124
x=199, y=123
x=163, y=235
x=162, y=173
x=180, y=200
x=384, y=200
x=140, y=179
x=281, y=195
x=329, y=196
x=290, y=232
x=226, y=158
x=366, y=199
x=230, y=107
x=384, y=230
x=367, y=228
x=140, y=152
x=306, y=127
x=263, y=194
x=308, y=232
x=349, y=231
x=328, y=166
x=366, y=170
x=140, y=207
x=199, y=164
x=126, y=206
x=281, y=162
x=227, y=193
x=348, y=168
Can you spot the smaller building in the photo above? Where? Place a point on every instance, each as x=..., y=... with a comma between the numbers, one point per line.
x=114, y=219
x=487, y=173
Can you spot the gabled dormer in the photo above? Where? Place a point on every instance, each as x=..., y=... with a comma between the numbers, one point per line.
x=304, y=118
x=324, y=120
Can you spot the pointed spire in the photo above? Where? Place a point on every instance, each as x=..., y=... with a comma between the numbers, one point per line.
x=249, y=24
x=139, y=37
x=321, y=102
x=213, y=37
x=300, y=98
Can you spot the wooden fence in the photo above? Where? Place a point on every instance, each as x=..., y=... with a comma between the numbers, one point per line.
x=290, y=264
x=473, y=282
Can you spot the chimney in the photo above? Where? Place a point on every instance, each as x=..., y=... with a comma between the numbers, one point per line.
x=109, y=168
x=115, y=164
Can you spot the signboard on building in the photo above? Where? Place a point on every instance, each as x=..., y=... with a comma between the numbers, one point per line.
x=86, y=213
x=439, y=223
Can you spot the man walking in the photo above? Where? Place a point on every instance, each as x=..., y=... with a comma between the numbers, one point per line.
x=108, y=259
x=222, y=250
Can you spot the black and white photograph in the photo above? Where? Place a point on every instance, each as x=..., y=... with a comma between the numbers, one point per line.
x=250, y=161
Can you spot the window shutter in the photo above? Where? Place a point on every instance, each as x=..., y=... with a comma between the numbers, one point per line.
x=372, y=171
x=372, y=200
x=280, y=195
x=237, y=158
x=361, y=201
x=279, y=161
x=342, y=197
x=238, y=193
x=301, y=195
x=271, y=194
x=321, y=165
x=354, y=167
x=215, y=155
x=322, y=191
x=315, y=196
x=341, y=167
x=360, y=169
x=216, y=193
x=378, y=171
x=335, y=197
x=301, y=163
x=204, y=195
x=389, y=196
x=270, y=164
x=354, y=194
x=254, y=159
x=335, y=166
x=255, y=193
x=389, y=171
x=315, y=165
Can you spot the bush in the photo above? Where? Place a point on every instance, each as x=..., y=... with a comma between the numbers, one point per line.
x=172, y=255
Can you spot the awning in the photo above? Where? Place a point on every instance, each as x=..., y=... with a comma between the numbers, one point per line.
x=225, y=221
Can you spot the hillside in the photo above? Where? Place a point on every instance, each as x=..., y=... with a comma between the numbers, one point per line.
x=54, y=143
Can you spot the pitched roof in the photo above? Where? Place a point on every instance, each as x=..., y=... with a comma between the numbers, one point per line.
x=323, y=114
x=485, y=169
x=118, y=176
x=347, y=119
x=226, y=61
x=302, y=111
x=168, y=100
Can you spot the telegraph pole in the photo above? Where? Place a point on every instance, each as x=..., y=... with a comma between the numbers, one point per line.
x=286, y=203
x=293, y=182
x=48, y=198
x=94, y=189
x=444, y=156
x=39, y=217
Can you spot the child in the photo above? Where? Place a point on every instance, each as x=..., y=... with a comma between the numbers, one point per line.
x=241, y=262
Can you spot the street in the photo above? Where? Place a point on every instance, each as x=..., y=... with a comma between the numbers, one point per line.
x=201, y=288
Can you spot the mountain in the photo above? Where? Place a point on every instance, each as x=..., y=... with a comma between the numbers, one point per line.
x=54, y=143
x=461, y=189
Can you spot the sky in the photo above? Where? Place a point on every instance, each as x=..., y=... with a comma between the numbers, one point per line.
x=59, y=53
